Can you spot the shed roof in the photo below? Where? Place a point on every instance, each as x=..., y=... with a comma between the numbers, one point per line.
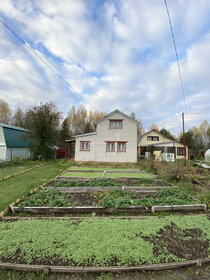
x=16, y=137
x=13, y=127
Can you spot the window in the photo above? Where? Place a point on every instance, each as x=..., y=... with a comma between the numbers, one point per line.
x=110, y=146
x=84, y=146
x=152, y=138
x=116, y=124
x=180, y=151
x=170, y=150
x=121, y=146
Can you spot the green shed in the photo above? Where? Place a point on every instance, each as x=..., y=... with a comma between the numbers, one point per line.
x=14, y=142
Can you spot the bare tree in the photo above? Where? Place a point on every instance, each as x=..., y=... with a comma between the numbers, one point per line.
x=5, y=112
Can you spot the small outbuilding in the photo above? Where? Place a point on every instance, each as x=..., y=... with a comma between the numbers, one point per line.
x=14, y=142
x=207, y=155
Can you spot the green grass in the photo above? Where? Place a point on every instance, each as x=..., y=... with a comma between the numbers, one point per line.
x=93, y=242
x=15, y=187
x=11, y=169
x=108, y=175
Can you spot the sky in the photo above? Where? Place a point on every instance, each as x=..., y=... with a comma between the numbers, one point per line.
x=117, y=54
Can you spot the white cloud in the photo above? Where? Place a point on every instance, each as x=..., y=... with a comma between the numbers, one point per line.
x=117, y=54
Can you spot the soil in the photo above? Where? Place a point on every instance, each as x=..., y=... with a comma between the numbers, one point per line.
x=90, y=199
x=188, y=244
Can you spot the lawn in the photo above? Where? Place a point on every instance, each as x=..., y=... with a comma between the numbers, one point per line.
x=104, y=168
x=11, y=169
x=105, y=242
x=108, y=175
x=20, y=185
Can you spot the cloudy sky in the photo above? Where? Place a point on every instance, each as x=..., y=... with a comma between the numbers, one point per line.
x=115, y=53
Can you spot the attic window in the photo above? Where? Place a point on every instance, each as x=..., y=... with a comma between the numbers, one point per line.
x=152, y=138
x=115, y=124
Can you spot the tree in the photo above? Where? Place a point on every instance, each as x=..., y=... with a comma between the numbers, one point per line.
x=65, y=132
x=18, y=119
x=167, y=133
x=5, y=112
x=154, y=126
x=198, y=138
x=80, y=121
x=189, y=138
x=43, y=121
x=140, y=128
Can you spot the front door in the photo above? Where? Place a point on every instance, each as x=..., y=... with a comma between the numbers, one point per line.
x=142, y=151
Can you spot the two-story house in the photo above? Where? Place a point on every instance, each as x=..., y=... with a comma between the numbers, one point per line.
x=170, y=148
x=114, y=140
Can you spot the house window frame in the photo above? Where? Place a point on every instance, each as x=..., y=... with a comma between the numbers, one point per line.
x=121, y=142
x=85, y=150
x=153, y=138
x=107, y=143
x=116, y=120
x=180, y=149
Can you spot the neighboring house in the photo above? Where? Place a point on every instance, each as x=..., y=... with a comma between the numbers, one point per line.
x=114, y=140
x=14, y=142
x=170, y=148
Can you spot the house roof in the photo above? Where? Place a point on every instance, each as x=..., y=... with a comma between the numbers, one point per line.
x=113, y=112
x=16, y=136
x=85, y=134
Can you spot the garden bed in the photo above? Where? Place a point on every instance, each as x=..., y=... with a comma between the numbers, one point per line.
x=109, y=174
x=138, y=189
x=106, y=182
x=105, y=242
x=108, y=199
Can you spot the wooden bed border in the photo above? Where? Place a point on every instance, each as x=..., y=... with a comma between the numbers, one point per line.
x=79, y=269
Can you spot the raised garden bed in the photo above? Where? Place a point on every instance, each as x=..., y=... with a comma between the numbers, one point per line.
x=106, y=182
x=84, y=174
x=105, y=242
x=113, y=198
x=137, y=189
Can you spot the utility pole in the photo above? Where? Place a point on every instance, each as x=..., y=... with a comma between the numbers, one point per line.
x=184, y=141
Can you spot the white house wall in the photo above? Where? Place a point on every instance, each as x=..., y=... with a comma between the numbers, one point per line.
x=104, y=134
x=2, y=144
x=21, y=153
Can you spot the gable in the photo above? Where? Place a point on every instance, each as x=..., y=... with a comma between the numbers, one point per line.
x=119, y=115
x=153, y=137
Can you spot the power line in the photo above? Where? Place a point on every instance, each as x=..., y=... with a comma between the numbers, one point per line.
x=177, y=58
x=44, y=61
